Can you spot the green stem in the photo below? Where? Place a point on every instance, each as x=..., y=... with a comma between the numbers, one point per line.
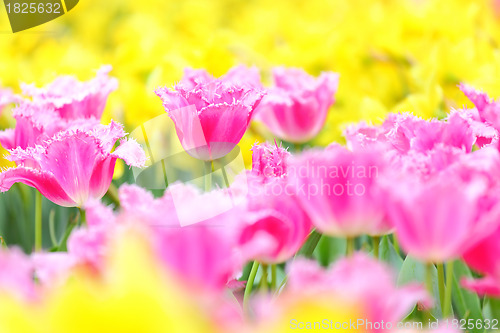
x=224, y=175
x=310, y=244
x=350, y=246
x=376, y=243
x=208, y=176
x=440, y=270
x=282, y=284
x=273, y=276
x=263, y=280
x=38, y=221
x=112, y=194
x=165, y=179
x=395, y=243
x=249, y=285
x=52, y=229
x=449, y=287
x=83, y=218
x=428, y=284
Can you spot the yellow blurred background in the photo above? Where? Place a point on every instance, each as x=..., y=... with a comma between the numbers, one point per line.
x=406, y=55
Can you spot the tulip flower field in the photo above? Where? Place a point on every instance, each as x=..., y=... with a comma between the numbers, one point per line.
x=251, y=166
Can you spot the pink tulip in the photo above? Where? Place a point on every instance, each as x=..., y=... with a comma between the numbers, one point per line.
x=37, y=122
x=484, y=257
x=405, y=133
x=240, y=76
x=296, y=107
x=362, y=279
x=339, y=190
x=74, y=99
x=269, y=161
x=202, y=251
x=7, y=97
x=438, y=219
x=53, y=268
x=244, y=76
x=210, y=117
x=16, y=274
x=274, y=226
x=72, y=166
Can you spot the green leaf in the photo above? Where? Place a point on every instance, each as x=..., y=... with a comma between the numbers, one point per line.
x=67, y=233
x=388, y=253
x=417, y=319
x=466, y=304
x=310, y=245
x=414, y=271
x=329, y=249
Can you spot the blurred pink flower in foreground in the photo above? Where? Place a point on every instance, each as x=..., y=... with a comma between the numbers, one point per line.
x=210, y=115
x=360, y=279
x=438, y=219
x=202, y=254
x=484, y=257
x=295, y=108
x=74, y=99
x=16, y=274
x=339, y=190
x=74, y=165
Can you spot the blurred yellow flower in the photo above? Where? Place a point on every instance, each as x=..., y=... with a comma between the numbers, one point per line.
x=134, y=295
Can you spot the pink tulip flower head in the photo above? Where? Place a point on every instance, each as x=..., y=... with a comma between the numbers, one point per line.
x=295, y=108
x=438, y=219
x=484, y=257
x=201, y=252
x=406, y=133
x=210, y=117
x=7, y=97
x=340, y=190
x=269, y=161
x=16, y=274
x=74, y=165
x=240, y=76
x=274, y=226
x=37, y=122
x=74, y=99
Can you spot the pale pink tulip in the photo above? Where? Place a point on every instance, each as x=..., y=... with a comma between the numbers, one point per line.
x=74, y=99
x=405, y=133
x=436, y=220
x=38, y=122
x=295, y=108
x=72, y=166
x=339, y=190
x=7, y=97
